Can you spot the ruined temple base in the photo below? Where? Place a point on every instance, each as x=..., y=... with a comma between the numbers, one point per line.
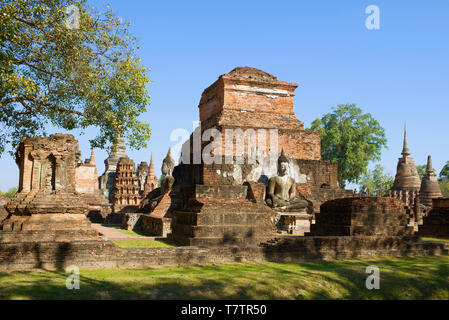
x=156, y=226
x=47, y=227
x=436, y=223
x=27, y=256
x=221, y=215
x=98, y=208
x=361, y=216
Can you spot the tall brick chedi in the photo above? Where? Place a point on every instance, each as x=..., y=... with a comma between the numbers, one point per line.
x=47, y=205
x=407, y=182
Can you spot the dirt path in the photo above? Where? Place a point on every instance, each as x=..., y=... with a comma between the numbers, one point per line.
x=114, y=234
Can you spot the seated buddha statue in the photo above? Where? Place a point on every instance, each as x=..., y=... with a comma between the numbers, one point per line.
x=281, y=192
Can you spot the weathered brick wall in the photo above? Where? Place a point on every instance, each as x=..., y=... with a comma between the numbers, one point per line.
x=86, y=179
x=256, y=191
x=436, y=223
x=320, y=173
x=155, y=225
x=369, y=216
x=103, y=254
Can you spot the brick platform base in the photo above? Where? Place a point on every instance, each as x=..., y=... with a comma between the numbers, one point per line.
x=15, y=256
x=221, y=215
x=436, y=223
x=361, y=216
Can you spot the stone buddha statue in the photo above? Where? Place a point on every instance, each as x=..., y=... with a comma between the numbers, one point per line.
x=281, y=193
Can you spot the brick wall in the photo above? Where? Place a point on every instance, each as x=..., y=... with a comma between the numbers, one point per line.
x=86, y=179
x=103, y=254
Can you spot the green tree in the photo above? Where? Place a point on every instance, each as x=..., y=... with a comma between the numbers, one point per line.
x=444, y=173
x=422, y=169
x=444, y=187
x=10, y=193
x=352, y=138
x=161, y=178
x=376, y=182
x=72, y=68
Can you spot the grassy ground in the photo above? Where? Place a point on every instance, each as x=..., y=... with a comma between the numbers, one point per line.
x=434, y=240
x=400, y=278
x=141, y=244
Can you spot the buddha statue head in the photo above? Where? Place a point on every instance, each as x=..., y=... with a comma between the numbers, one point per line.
x=282, y=164
x=168, y=164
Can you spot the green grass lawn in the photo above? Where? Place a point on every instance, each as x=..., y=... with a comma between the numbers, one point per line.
x=400, y=278
x=141, y=244
x=434, y=239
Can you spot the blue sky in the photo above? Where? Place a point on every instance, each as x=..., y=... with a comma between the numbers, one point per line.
x=399, y=74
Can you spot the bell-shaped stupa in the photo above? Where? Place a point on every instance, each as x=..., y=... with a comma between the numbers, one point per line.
x=430, y=188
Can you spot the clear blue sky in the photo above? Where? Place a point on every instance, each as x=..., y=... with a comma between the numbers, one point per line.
x=399, y=73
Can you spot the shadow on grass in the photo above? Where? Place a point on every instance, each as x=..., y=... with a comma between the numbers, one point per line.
x=401, y=278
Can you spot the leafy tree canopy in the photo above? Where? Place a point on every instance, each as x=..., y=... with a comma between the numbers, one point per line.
x=352, y=138
x=444, y=174
x=64, y=63
x=376, y=182
x=444, y=187
x=422, y=169
x=10, y=193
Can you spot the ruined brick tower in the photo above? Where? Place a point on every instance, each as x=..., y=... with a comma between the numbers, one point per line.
x=125, y=195
x=47, y=206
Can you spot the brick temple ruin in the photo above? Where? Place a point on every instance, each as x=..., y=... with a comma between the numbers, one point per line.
x=225, y=202
x=47, y=206
x=231, y=210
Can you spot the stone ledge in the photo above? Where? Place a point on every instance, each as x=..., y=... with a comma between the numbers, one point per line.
x=25, y=256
